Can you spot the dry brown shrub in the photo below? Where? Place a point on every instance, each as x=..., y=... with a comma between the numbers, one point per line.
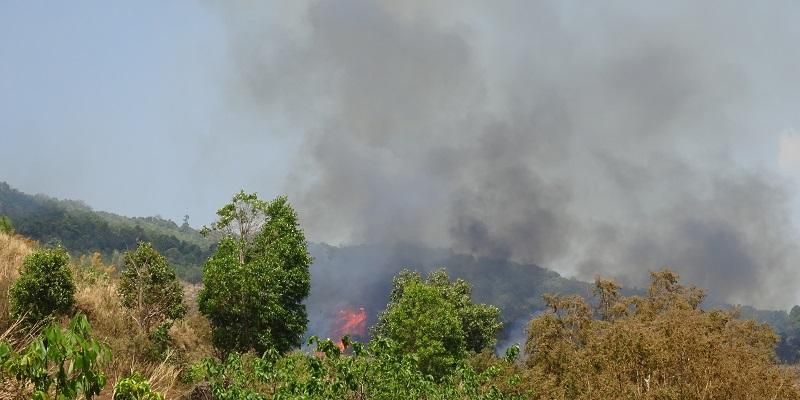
x=657, y=347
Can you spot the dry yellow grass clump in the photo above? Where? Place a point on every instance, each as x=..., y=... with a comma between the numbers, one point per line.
x=13, y=250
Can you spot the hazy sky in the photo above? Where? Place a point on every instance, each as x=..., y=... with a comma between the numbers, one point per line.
x=124, y=106
x=595, y=139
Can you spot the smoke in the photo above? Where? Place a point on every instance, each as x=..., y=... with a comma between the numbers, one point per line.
x=595, y=139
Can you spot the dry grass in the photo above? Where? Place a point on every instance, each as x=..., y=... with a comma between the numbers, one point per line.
x=13, y=250
x=96, y=296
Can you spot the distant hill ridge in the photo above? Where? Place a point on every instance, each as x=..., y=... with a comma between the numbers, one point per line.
x=81, y=229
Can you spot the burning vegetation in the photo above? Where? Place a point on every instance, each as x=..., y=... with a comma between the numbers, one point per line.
x=350, y=322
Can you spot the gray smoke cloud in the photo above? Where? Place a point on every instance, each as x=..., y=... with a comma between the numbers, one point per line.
x=595, y=139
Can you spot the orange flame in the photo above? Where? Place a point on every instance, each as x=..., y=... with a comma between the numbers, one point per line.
x=350, y=322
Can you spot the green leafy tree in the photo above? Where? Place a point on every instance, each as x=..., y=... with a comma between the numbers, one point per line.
x=45, y=286
x=256, y=281
x=149, y=288
x=480, y=323
x=422, y=321
x=61, y=363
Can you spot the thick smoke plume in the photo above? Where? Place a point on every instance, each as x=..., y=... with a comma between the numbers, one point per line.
x=608, y=139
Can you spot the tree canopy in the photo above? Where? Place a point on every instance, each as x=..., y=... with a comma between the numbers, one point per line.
x=149, y=288
x=436, y=319
x=256, y=281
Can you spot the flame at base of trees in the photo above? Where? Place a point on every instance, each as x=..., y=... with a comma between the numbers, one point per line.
x=350, y=322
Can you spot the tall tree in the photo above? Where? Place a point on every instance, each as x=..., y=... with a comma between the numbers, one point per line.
x=256, y=281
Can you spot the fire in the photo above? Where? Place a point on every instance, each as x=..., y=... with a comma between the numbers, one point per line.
x=350, y=322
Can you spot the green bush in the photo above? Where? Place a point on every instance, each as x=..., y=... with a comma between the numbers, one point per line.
x=5, y=225
x=60, y=363
x=150, y=290
x=135, y=388
x=45, y=286
x=380, y=371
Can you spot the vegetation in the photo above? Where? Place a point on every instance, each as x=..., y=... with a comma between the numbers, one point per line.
x=150, y=289
x=256, y=281
x=58, y=364
x=45, y=287
x=5, y=225
x=433, y=341
x=135, y=388
x=82, y=230
x=436, y=320
x=661, y=346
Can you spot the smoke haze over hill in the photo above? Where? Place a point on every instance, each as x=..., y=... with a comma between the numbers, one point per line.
x=605, y=139
x=609, y=139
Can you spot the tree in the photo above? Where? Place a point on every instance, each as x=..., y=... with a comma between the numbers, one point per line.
x=480, y=323
x=256, y=281
x=422, y=321
x=45, y=286
x=149, y=288
x=240, y=220
x=421, y=314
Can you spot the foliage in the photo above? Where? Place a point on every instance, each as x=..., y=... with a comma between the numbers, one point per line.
x=149, y=288
x=60, y=363
x=135, y=388
x=5, y=225
x=83, y=230
x=380, y=371
x=256, y=281
x=45, y=286
x=436, y=319
x=425, y=324
x=240, y=219
x=661, y=346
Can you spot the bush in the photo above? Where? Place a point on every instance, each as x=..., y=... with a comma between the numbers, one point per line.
x=5, y=225
x=45, y=286
x=149, y=288
x=135, y=388
x=60, y=363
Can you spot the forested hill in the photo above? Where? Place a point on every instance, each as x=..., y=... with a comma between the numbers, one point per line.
x=83, y=230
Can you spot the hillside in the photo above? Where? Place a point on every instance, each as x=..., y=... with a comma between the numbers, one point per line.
x=344, y=279
x=83, y=230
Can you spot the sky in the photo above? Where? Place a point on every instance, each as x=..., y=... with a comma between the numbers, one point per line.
x=591, y=138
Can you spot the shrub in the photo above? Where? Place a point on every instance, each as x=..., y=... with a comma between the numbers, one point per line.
x=5, y=225
x=149, y=288
x=135, y=388
x=60, y=363
x=45, y=286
